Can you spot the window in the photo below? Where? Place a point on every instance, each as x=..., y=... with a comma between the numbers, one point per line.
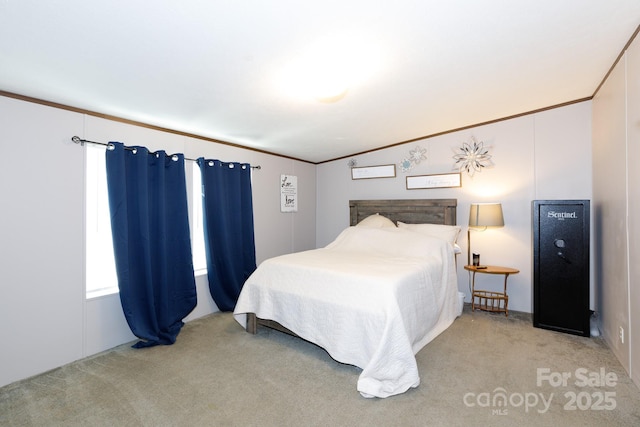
x=100, y=265
x=197, y=228
x=101, y=278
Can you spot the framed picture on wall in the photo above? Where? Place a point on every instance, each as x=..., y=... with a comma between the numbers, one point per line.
x=368, y=172
x=288, y=193
x=443, y=180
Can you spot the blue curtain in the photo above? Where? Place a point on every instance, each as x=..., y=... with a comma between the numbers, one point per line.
x=228, y=228
x=151, y=242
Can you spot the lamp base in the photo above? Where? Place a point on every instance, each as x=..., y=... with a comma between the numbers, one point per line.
x=468, y=246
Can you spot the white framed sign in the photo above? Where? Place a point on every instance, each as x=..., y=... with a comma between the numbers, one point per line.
x=443, y=180
x=288, y=193
x=366, y=172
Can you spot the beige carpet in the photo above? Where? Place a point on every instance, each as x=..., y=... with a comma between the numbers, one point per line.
x=218, y=375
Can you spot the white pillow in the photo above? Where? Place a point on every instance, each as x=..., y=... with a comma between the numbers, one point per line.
x=376, y=221
x=445, y=232
x=389, y=242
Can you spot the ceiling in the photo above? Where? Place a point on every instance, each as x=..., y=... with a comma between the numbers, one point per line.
x=235, y=71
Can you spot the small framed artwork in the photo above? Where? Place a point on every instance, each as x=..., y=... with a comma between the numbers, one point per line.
x=368, y=172
x=288, y=193
x=443, y=180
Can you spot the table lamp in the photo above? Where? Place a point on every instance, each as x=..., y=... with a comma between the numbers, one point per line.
x=483, y=215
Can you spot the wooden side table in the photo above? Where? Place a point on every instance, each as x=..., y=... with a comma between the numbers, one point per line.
x=497, y=302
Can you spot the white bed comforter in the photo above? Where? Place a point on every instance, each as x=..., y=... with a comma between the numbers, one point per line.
x=372, y=298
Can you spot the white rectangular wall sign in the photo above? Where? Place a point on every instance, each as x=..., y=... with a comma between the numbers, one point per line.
x=368, y=172
x=434, y=181
x=288, y=193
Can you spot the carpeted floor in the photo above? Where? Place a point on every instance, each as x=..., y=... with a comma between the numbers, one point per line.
x=484, y=370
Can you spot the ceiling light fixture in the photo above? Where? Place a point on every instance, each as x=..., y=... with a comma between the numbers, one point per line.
x=327, y=69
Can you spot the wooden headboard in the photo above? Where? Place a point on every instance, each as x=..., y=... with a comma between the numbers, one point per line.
x=417, y=211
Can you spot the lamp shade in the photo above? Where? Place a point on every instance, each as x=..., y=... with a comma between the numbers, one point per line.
x=486, y=215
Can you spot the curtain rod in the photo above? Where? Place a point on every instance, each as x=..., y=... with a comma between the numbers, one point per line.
x=81, y=141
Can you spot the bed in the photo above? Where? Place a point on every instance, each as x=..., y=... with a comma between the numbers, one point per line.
x=372, y=298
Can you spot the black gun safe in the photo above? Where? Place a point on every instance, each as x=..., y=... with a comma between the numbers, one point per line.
x=561, y=266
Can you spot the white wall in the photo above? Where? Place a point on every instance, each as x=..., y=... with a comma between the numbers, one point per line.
x=546, y=155
x=41, y=301
x=45, y=320
x=632, y=59
x=616, y=132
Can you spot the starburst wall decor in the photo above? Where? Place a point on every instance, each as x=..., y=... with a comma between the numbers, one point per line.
x=415, y=156
x=472, y=157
